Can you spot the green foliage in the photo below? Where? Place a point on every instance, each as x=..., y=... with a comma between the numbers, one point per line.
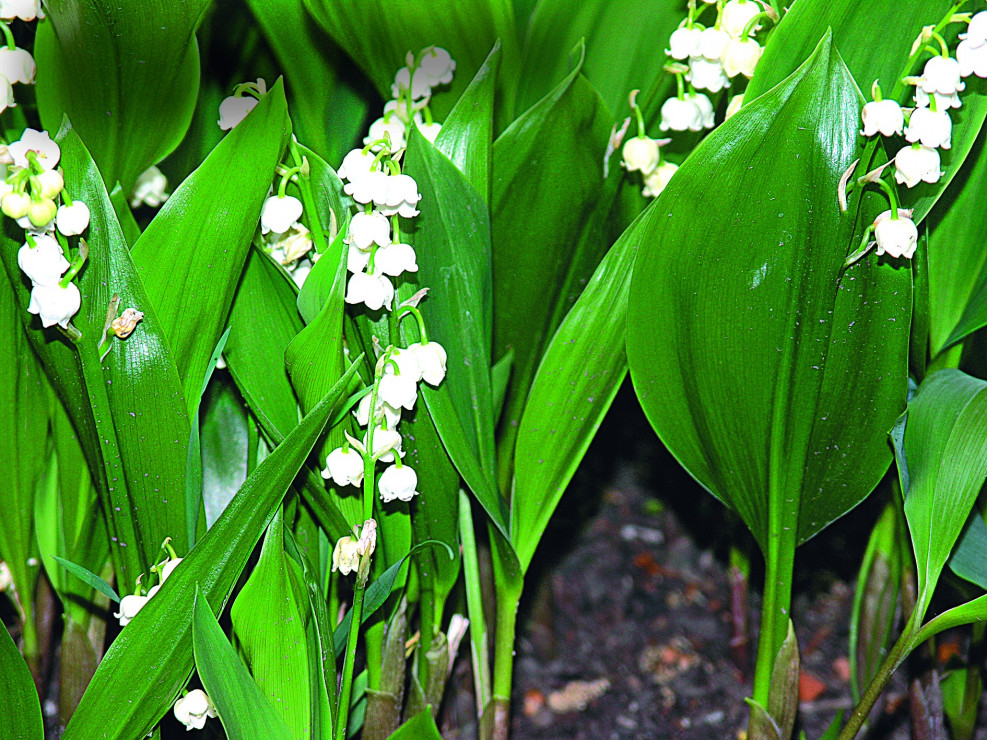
x=21, y=718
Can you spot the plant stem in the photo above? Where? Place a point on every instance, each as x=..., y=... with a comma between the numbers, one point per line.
x=479, y=651
x=304, y=183
x=343, y=704
x=508, y=585
x=776, y=609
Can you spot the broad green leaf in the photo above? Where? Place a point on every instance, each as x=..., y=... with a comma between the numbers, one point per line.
x=211, y=567
x=545, y=246
x=969, y=559
x=419, y=727
x=269, y=618
x=957, y=258
x=255, y=350
x=452, y=234
x=244, y=710
x=968, y=613
x=224, y=445
x=855, y=27
x=327, y=107
x=771, y=374
x=466, y=137
x=961, y=692
x=21, y=718
x=126, y=74
x=191, y=255
x=573, y=388
x=625, y=42
x=942, y=466
x=378, y=37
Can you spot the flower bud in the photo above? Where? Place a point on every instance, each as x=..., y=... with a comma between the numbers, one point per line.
x=15, y=204
x=41, y=212
x=51, y=183
x=735, y=104
x=123, y=326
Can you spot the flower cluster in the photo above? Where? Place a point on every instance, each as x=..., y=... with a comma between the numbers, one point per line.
x=643, y=154
x=30, y=194
x=927, y=127
x=130, y=605
x=411, y=92
x=16, y=65
x=351, y=551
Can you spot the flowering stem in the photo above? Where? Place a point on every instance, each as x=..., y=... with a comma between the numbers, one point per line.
x=508, y=585
x=479, y=649
x=343, y=702
x=404, y=310
x=889, y=191
x=308, y=201
x=8, y=35
x=749, y=28
x=680, y=86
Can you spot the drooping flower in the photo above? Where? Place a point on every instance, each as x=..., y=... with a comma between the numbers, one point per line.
x=356, y=164
x=681, y=115
x=38, y=142
x=44, y=263
x=193, y=709
x=129, y=607
x=641, y=154
x=419, y=84
x=885, y=116
x=386, y=439
x=391, y=415
x=737, y=14
x=15, y=204
x=394, y=130
x=26, y=10
x=169, y=568
x=437, y=65
x=705, y=107
x=367, y=229
x=976, y=32
x=40, y=213
x=705, y=74
x=741, y=57
x=712, y=42
x=398, y=391
x=395, y=259
x=432, y=358
x=346, y=556
x=735, y=104
x=367, y=188
x=972, y=58
x=374, y=291
x=17, y=65
x=655, y=182
x=149, y=189
x=914, y=164
x=943, y=102
x=6, y=95
x=931, y=128
x=942, y=75
x=55, y=304
x=429, y=130
x=895, y=236
x=51, y=182
x=72, y=220
x=279, y=213
x=684, y=43
x=400, y=197
x=345, y=466
x=408, y=364
x=398, y=483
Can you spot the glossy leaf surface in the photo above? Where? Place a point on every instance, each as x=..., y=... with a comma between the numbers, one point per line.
x=770, y=374
x=21, y=718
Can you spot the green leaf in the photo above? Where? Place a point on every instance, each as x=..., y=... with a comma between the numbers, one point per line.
x=244, y=710
x=466, y=137
x=957, y=259
x=969, y=559
x=968, y=613
x=328, y=109
x=382, y=32
x=21, y=718
x=942, y=466
x=544, y=246
x=224, y=446
x=126, y=74
x=618, y=59
x=211, y=567
x=855, y=26
x=573, y=388
x=771, y=374
x=419, y=727
x=88, y=577
x=193, y=252
x=454, y=233
x=269, y=620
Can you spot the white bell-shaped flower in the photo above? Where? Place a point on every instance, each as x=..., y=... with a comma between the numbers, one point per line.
x=395, y=259
x=942, y=75
x=393, y=127
x=356, y=164
x=51, y=182
x=930, y=128
x=6, y=95
x=398, y=391
x=344, y=466
x=408, y=364
x=705, y=107
x=420, y=84
x=641, y=154
x=15, y=204
x=357, y=259
x=400, y=197
x=193, y=709
x=398, y=483
x=373, y=291
x=712, y=42
x=369, y=188
x=279, y=213
x=38, y=142
x=735, y=104
x=885, y=116
x=386, y=439
x=129, y=607
x=741, y=57
x=367, y=229
x=55, y=304
x=684, y=43
x=681, y=115
x=429, y=130
x=72, y=220
x=234, y=109
x=390, y=415
x=438, y=66
x=896, y=237
x=149, y=190
x=432, y=358
x=737, y=14
x=976, y=32
x=45, y=263
x=707, y=75
x=17, y=65
x=26, y=10
x=943, y=102
x=169, y=568
x=915, y=164
x=655, y=182
x=346, y=556
x=972, y=59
